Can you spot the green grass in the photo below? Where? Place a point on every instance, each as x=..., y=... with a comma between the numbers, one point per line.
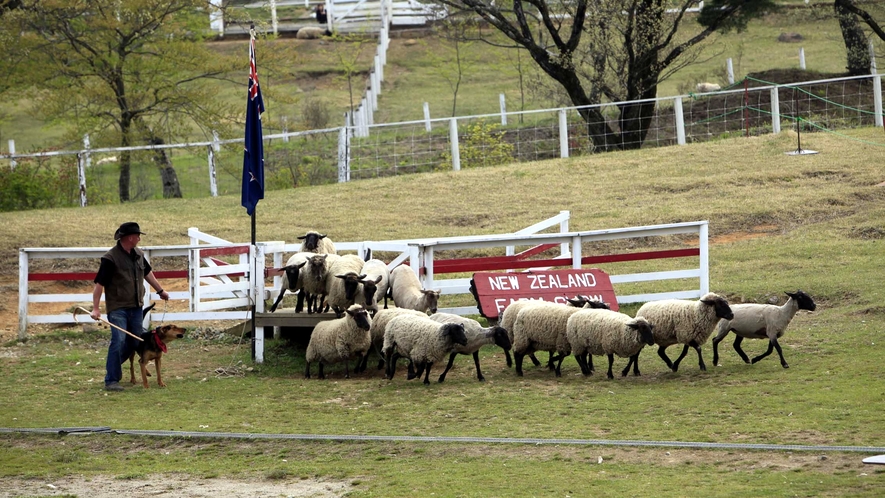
x=777, y=223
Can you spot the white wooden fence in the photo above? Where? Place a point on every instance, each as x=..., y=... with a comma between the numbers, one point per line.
x=219, y=290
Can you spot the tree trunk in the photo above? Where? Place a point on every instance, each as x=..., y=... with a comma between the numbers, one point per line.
x=171, y=187
x=856, y=49
x=125, y=161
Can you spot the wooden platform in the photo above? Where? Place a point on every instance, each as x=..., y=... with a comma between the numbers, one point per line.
x=288, y=318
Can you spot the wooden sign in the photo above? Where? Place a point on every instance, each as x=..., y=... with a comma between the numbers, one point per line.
x=494, y=291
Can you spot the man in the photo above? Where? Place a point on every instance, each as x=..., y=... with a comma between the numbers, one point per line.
x=121, y=278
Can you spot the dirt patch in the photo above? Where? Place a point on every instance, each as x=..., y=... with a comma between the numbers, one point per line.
x=169, y=486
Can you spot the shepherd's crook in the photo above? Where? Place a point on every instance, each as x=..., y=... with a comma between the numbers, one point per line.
x=84, y=310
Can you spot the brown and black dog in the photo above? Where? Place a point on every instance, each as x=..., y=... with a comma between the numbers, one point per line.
x=151, y=347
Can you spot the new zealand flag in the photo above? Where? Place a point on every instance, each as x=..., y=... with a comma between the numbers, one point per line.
x=253, y=154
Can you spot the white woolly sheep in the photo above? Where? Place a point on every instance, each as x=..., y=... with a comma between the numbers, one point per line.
x=508, y=318
x=421, y=340
x=405, y=288
x=761, y=321
x=708, y=87
x=313, y=280
x=607, y=333
x=317, y=242
x=343, y=281
x=379, y=325
x=293, y=279
x=311, y=33
x=375, y=285
x=477, y=337
x=542, y=327
x=338, y=340
x=690, y=323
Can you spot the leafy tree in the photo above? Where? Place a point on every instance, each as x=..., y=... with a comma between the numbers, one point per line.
x=866, y=14
x=611, y=50
x=856, y=51
x=125, y=71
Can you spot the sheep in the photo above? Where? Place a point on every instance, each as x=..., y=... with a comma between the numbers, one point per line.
x=422, y=340
x=542, y=327
x=761, y=321
x=375, y=285
x=344, y=281
x=603, y=332
x=314, y=280
x=405, y=288
x=379, y=325
x=311, y=33
x=708, y=87
x=477, y=337
x=293, y=279
x=317, y=242
x=333, y=341
x=684, y=322
x=508, y=317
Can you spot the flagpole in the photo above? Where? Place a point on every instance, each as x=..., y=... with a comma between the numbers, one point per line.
x=256, y=275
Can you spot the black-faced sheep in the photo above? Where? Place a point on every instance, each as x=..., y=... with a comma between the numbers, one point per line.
x=375, y=285
x=421, y=340
x=508, y=318
x=542, y=327
x=314, y=280
x=293, y=279
x=603, y=332
x=690, y=323
x=317, y=242
x=379, y=326
x=406, y=291
x=761, y=321
x=477, y=337
x=334, y=341
x=344, y=282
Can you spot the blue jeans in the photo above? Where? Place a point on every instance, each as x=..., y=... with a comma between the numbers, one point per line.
x=122, y=345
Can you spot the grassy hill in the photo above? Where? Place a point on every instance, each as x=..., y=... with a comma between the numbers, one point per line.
x=777, y=223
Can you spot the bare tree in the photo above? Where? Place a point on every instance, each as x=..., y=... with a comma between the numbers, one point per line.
x=611, y=50
x=113, y=68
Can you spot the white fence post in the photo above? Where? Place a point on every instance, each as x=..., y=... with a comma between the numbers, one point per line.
x=82, y=159
x=453, y=138
x=213, y=176
x=285, y=124
x=503, y=102
x=877, y=99
x=563, y=134
x=802, y=58
x=427, y=117
x=343, y=163
x=680, y=120
x=12, y=163
x=730, y=69
x=872, y=58
x=775, y=111
x=22, y=294
x=273, y=16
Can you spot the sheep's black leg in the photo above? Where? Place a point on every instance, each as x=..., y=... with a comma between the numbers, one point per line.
x=583, y=364
x=630, y=363
x=479, y=376
x=321, y=375
x=716, y=340
x=681, y=356
x=780, y=353
x=427, y=374
x=767, y=352
x=611, y=362
x=299, y=304
x=697, y=347
x=391, y=366
x=663, y=354
x=448, y=367
x=551, y=361
x=279, y=299
x=534, y=359
x=307, y=371
x=636, y=365
x=346, y=369
x=737, y=347
x=558, y=359
x=517, y=357
x=589, y=361
x=414, y=370
x=364, y=360
x=508, y=358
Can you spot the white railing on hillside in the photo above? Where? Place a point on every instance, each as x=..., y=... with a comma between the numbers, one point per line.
x=371, y=150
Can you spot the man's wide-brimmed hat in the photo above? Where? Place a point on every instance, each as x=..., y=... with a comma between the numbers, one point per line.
x=128, y=228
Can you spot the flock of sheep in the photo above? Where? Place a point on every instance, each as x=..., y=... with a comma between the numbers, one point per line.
x=583, y=327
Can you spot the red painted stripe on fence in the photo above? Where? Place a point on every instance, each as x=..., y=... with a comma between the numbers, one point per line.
x=224, y=251
x=470, y=265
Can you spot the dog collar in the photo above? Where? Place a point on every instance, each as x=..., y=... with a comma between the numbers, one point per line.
x=157, y=340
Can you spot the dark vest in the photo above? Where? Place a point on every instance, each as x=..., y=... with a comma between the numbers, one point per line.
x=126, y=288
